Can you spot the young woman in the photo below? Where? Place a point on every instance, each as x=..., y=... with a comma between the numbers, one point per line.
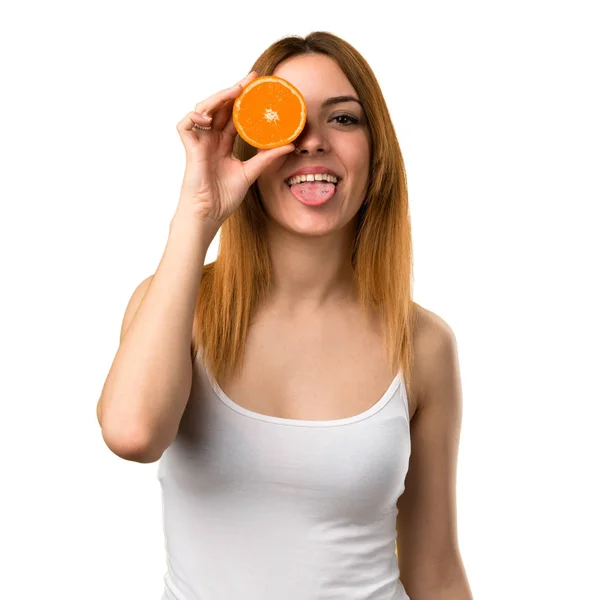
x=305, y=411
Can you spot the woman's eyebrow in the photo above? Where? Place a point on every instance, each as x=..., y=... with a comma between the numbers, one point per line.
x=339, y=99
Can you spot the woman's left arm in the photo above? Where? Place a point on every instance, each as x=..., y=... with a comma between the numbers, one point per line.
x=429, y=559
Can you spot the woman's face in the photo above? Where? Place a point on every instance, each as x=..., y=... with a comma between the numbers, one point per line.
x=335, y=136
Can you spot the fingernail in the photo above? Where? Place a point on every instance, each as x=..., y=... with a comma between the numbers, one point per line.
x=207, y=117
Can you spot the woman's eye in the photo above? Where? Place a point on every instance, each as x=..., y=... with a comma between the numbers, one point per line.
x=353, y=120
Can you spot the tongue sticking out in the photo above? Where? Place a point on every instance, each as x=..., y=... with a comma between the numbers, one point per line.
x=313, y=192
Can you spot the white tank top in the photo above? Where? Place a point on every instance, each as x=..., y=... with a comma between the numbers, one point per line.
x=265, y=508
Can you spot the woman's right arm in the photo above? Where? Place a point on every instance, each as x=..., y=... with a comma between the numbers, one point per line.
x=149, y=382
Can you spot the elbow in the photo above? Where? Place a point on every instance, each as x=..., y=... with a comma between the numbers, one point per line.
x=134, y=446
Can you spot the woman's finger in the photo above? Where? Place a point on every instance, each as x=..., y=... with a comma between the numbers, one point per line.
x=186, y=129
x=211, y=105
x=222, y=115
x=229, y=128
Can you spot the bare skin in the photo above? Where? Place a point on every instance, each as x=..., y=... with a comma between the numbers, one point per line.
x=320, y=368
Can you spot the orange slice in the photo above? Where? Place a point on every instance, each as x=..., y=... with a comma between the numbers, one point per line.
x=270, y=112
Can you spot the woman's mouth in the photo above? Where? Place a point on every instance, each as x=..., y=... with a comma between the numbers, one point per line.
x=313, y=193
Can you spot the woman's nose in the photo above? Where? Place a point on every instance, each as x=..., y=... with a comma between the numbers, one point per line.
x=311, y=140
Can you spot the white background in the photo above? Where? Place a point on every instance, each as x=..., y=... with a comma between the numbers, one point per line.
x=495, y=105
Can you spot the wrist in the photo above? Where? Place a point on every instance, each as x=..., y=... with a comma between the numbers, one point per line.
x=195, y=226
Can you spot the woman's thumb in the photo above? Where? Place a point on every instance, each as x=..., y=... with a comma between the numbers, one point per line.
x=260, y=161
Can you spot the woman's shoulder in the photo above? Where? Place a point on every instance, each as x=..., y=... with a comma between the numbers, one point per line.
x=430, y=327
x=434, y=350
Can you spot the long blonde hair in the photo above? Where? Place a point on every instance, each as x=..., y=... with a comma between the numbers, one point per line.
x=235, y=284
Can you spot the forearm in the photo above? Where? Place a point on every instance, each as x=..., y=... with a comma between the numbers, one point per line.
x=454, y=589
